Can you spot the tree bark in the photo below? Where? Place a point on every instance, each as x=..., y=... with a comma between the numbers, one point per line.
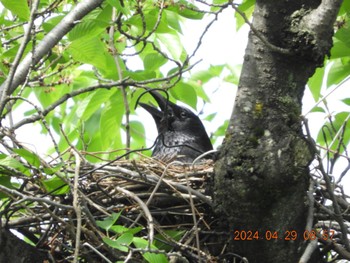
x=14, y=250
x=262, y=172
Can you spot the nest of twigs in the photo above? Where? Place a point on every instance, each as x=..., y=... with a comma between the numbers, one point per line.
x=148, y=194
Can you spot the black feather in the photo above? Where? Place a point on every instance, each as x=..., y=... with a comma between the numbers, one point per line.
x=181, y=134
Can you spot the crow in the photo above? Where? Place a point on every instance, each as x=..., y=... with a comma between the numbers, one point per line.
x=181, y=134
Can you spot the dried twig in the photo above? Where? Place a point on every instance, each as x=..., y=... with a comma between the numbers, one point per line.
x=76, y=204
x=120, y=76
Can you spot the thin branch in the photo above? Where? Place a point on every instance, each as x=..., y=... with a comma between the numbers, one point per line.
x=123, y=82
x=195, y=223
x=48, y=42
x=76, y=204
x=345, y=254
x=144, y=208
x=155, y=189
x=328, y=94
x=32, y=199
x=7, y=42
x=5, y=89
x=63, y=99
x=3, y=28
x=153, y=178
x=308, y=252
x=338, y=136
x=86, y=244
x=309, y=223
x=337, y=215
x=120, y=76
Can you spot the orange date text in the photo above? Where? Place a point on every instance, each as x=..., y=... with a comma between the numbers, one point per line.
x=288, y=235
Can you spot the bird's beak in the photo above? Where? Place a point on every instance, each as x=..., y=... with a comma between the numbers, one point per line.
x=163, y=104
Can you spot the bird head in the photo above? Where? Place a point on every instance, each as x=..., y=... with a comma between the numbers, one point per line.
x=174, y=118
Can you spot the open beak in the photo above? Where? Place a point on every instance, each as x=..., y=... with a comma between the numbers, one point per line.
x=164, y=105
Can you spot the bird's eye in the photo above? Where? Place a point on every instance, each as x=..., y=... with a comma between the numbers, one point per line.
x=183, y=114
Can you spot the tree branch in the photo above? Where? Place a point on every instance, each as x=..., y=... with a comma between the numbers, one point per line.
x=48, y=42
x=321, y=19
x=9, y=81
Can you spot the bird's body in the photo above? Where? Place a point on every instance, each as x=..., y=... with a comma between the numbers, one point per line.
x=177, y=146
x=181, y=134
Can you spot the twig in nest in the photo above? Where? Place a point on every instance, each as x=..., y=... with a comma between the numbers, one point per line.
x=145, y=209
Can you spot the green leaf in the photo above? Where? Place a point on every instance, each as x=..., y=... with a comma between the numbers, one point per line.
x=103, y=14
x=121, y=243
x=153, y=61
x=53, y=169
x=173, y=20
x=5, y=181
x=315, y=83
x=247, y=7
x=150, y=257
x=108, y=222
x=90, y=50
x=118, y=229
x=205, y=76
x=149, y=22
x=217, y=2
x=318, y=109
x=8, y=161
x=137, y=131
x=90, y=28
x=343, y=34
x=235, y=74
x=338, y=71
x=140, y=75
x=210, y=117
x=161, y=241
x=345, y=8
x=18, y=8
x=346, y=101
x=202, y=76
x=186, y=9
x=326, y=136
x=339, y=49
x=197, y=85
x=186, y=93
x=92, y=103
x=30, y=157
x=52, y=22
x=55, y=184
x=171, y=42
x=111, y=121
x=216, y=70
x=118, y=6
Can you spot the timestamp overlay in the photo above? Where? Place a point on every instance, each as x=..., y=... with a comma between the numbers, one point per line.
x=287, y=235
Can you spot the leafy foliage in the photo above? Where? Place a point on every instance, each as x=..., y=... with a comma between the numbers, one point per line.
x=328, y=79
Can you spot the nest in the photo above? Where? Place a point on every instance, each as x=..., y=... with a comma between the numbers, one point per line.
x=153, y=196
x=165, y=189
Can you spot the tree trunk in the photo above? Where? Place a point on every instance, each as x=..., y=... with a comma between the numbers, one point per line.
x=14, y=250
x=262, y=172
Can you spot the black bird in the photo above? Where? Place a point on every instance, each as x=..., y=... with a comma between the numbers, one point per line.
x=181, y=134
